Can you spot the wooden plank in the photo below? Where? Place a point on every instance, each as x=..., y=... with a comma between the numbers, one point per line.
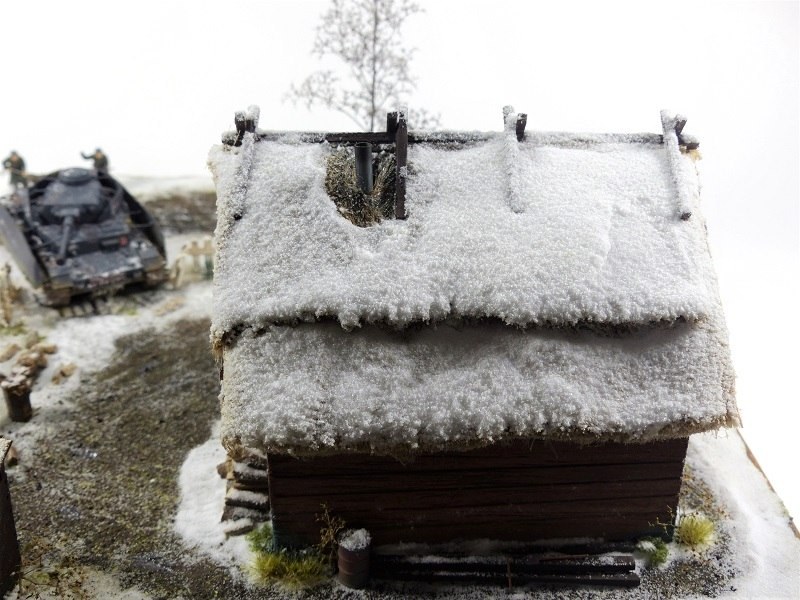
x=348, y=138
x=329, y=481
x=611, y=529
x=448, y=492
x=627, y=580
x=441, y=491
x=525, y=491
x=415, y=512
x=401, y=160
x=391, y=123
x=521, y=453
x=532, y=564
x=343, y=138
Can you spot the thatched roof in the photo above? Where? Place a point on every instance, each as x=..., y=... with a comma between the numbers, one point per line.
x=558, y=286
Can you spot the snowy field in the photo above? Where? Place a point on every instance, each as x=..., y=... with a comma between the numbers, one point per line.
x=762, y=551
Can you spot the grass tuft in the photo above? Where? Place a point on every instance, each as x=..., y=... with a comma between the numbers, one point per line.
x=694, y=530
x=292, y=570
x=655, y=549
x=260, y=538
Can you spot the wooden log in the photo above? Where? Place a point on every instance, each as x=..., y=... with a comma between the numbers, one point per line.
x=234, y=513
x=243, y=473
x=247, y=499
x=17, y=393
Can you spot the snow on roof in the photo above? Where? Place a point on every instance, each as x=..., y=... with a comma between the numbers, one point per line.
x=549, y=234
x=525, y=232
x=318, y=388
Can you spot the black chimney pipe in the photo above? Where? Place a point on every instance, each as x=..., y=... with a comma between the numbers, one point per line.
x=364, y=166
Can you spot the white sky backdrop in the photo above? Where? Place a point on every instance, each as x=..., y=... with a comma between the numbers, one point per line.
x=155, y=82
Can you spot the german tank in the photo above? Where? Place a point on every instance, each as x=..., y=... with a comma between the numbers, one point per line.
x=80, y=234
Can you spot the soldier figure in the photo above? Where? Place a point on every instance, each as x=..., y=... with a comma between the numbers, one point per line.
x=16, y=166
x=100, y=160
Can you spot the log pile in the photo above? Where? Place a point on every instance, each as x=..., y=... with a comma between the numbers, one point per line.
x=247, y=493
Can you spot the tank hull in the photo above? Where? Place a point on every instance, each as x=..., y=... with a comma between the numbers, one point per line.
x=78, y=233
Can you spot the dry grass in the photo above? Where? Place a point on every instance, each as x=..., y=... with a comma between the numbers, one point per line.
x=292, y=570
x=360, y=208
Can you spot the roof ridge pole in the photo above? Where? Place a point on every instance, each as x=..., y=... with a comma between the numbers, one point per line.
x=233, y=210
x=401, y=160
x=683, y=174
x=511, y=158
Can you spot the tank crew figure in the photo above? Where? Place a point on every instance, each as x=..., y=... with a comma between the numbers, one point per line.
x=16, y=166
x=100, y=160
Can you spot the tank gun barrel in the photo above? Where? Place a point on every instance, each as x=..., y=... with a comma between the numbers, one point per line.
x=66, y=232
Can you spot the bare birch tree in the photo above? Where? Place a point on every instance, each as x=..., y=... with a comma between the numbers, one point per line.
x=365, y=36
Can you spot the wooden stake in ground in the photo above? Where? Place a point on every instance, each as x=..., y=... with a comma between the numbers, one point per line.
x=17, y=392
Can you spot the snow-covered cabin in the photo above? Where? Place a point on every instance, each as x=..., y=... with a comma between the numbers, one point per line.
x=523, y=357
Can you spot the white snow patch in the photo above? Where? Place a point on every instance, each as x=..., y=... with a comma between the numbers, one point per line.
x=248, y=496
x=763, y=547
x=202, y=501
x=144, y=188
x=355, y=539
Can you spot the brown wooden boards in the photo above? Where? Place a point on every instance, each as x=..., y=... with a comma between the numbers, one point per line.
x=526, y=491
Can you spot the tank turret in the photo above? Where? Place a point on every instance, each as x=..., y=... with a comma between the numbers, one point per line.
x=79, y=232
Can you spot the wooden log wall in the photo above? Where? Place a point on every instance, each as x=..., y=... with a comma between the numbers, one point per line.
x=526, y=491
